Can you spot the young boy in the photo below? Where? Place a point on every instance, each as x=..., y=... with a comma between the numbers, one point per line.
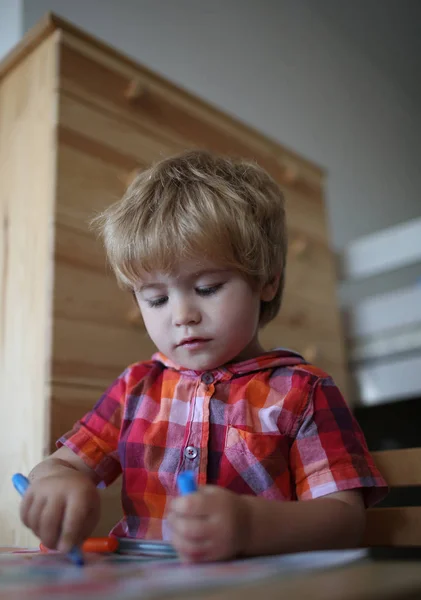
x=282, y=466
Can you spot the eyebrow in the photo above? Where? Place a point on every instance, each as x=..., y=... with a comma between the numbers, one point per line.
x=194, y=275
x=147, y=286
x=208, y=272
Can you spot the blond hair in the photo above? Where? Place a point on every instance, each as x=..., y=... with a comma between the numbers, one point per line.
x=199, y=204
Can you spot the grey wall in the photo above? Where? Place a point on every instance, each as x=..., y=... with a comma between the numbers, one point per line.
x=285, y=69
x=11, y=24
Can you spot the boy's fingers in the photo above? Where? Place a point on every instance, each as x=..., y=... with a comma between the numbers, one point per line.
x=194, y=505
x=50, y=523
x=74, y=520
x=193, y=550
x=34, y=513
x=25, y=508
x=191, y=529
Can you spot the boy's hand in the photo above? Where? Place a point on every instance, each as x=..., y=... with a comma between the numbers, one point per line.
x=62, y=510
x=210, y=524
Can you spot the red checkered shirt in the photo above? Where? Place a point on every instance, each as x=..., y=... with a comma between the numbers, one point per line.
x=273, y=426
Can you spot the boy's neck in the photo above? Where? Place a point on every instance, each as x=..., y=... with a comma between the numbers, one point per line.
x=252, y=350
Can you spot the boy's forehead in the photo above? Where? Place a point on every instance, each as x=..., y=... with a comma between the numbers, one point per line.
x=182, y=270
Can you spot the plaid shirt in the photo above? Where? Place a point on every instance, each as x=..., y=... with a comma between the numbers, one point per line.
x=272, y=426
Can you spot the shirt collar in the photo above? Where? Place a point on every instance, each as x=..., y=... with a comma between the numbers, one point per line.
x=279, y=357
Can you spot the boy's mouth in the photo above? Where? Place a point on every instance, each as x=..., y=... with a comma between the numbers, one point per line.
x=192, y=342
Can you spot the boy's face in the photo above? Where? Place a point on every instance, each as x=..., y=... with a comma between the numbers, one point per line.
x=202, y=316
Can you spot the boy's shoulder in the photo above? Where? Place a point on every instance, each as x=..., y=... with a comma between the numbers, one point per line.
x=302, y=383
x=314, y=372
x=137, y=371
x=304, y=371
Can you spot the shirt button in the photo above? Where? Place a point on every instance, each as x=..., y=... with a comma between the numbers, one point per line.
x=207, y=378
x=190, y=452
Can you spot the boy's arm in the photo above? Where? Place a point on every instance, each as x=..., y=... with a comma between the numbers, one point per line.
x=62, y=504
x=60, y=461
x=333, y=521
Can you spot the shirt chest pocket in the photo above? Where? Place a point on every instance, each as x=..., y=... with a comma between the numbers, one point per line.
x=256, y=463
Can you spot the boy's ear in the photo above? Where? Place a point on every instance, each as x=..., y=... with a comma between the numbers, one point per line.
x=268, y=291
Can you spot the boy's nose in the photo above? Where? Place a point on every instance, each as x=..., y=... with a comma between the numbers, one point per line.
x=186, y=314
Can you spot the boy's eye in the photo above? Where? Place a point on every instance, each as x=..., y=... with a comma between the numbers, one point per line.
x=208, y=290
x=157, y=302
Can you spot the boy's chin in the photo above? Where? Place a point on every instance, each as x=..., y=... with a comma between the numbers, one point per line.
x=197, y=362
x=198, y=365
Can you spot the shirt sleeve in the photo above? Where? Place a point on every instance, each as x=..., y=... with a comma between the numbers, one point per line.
x=329, y=453
x=94, y=438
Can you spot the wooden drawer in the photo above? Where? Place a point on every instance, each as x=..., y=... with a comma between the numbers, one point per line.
x=98, y=154
x=302, y=314
x=86, y=185
x=169, y=115
x=90, y=353
x=108, y=87
x=310, y=270
x=94, y=337
x=306, y=216
x=309, y=320
x=117, y=141
x=68, y=404
x=323, y=351
x=89, y=295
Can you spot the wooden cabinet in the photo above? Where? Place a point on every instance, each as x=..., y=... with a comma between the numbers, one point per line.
x=77, y=119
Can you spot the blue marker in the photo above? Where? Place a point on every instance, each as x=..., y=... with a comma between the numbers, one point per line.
x=21, y=484
x=186, y=483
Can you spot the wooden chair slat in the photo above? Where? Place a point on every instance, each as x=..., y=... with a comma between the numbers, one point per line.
x=400, y=468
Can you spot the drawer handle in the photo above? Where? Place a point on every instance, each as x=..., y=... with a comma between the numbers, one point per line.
x=134, y=90
x=299, y=246
x=127, y=178
x=311, y=353
x=131, y=176
x=291, y=174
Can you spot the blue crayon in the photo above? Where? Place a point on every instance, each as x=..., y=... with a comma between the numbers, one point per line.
x=186, y=483
x=21, y=484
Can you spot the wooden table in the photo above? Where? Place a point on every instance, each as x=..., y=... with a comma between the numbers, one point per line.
x=365, y=580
